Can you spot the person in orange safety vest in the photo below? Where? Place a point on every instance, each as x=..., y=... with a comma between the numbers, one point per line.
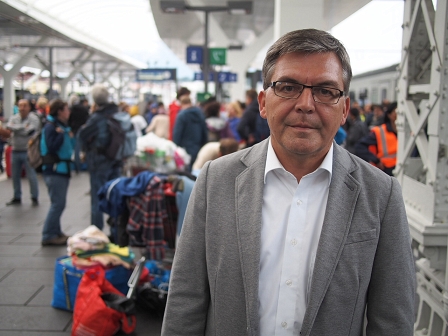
x=380, y=146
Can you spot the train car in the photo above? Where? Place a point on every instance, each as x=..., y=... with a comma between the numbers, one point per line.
x=375, y=86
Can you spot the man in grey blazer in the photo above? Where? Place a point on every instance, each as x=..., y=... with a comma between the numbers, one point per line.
x=295, y=236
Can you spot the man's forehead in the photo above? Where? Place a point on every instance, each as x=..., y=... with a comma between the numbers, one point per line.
x=319, y=67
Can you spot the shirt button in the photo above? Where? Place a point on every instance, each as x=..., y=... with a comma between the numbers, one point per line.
x=299, y=202
x=288, y=282
x=293, y=242
x=284, y=325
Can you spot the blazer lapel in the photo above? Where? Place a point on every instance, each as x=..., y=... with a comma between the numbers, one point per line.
x=249, y=199
x=344, y=190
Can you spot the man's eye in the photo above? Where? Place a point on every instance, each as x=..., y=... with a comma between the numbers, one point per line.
x=288, y=88
x=325, y=92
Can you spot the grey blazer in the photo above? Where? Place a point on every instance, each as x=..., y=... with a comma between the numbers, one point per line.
x=364, y=259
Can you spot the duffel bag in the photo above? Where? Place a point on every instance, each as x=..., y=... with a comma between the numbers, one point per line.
x=67, y=278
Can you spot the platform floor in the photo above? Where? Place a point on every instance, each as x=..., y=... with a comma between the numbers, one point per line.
x=26, y=268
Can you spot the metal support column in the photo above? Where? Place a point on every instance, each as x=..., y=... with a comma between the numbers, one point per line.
x=206, y=71
x=422, y=166
x=8, y=76
x=50, y=66
x=78, y=64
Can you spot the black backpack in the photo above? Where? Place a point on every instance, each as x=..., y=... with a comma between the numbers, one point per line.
x=112, y=135
x=123, y=139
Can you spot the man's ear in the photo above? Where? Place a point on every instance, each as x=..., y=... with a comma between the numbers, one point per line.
x=346, y=110
x=262, y=104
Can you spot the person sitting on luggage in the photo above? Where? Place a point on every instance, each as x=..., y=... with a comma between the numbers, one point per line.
x=57, y=144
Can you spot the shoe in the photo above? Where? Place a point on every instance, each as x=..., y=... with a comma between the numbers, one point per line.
x=64, y=235
x=35, y=202
x=55, y=241
x=14, y=201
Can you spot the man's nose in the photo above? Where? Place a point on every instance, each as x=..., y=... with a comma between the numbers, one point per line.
x=305, y=101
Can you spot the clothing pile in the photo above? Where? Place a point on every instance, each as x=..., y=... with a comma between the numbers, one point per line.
x=148, y=210
x=92, y=247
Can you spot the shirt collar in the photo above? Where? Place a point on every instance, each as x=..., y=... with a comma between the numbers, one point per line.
x=273, y=163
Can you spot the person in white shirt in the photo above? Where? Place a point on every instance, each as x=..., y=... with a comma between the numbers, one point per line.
x=295, y=235
x=213, y=150
x=137, y=120
x=160, y=124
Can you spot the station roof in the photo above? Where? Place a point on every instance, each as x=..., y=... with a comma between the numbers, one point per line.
x=180, y=30
x=23, y=24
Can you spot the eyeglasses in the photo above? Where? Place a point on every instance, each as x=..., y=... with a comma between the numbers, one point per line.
x=321, y=94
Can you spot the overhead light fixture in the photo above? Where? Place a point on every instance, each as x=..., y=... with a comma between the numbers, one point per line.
x=173, y=7
x=235, y=47
x=239, y=7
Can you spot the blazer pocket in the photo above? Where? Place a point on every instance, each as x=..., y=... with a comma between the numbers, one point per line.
x=357, y=237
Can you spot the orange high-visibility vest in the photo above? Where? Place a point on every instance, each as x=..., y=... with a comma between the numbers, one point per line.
x=386, y=146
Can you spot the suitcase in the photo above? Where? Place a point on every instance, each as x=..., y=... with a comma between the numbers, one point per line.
x=8, y=168
x=8, y=163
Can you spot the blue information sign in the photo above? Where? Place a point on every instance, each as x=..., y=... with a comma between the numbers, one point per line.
x=223, y=77
x=200, y=76
x=233, y=77
x=194, y=54
x=227, y=77
x=143, y=75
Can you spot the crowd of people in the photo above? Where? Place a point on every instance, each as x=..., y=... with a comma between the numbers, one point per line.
x=206, y=131
x=76, y=133
x=370, y=132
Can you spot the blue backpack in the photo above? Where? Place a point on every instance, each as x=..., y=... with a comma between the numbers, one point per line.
x=123, y=139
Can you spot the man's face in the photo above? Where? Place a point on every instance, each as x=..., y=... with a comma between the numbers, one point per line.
x=378, y=112
x=64, y=114
x=302, y=128
x=393, y=116
x=247, y=101
x=24, y=108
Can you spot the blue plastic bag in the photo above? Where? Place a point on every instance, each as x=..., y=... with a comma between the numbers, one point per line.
x=67, y=278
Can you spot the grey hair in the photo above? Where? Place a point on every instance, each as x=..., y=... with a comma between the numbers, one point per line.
x=308, y=41
x=73, y=100
x=100, y=94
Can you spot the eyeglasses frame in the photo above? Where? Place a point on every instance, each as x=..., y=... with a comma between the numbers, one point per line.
x=273, y=84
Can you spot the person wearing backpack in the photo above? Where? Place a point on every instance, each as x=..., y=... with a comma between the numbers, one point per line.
x=95, y=138
x=22, y=126
x=57, y=142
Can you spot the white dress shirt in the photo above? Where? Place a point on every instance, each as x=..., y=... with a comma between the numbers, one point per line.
x=292, y=218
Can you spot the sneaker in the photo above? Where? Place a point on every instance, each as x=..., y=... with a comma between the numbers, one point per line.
x=14, y=201
x=35, y=202
x=55, y=241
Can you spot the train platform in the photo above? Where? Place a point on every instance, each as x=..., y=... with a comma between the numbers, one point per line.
x=27, y=268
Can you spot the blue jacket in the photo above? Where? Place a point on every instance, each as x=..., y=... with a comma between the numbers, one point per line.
x=182, y=198
x=55, y=143
x=112, y=195
x=190, y=131
x=233, y=124
x=94, y=136
x=340, y=136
